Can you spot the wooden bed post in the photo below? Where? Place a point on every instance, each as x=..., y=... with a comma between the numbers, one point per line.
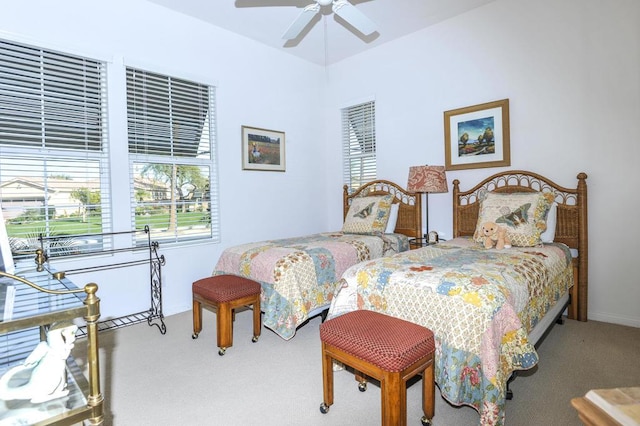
x=583, y=249
x=456, y=206
x=345, y=201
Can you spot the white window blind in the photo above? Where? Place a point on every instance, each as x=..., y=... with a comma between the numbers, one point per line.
x=53, y=150
x=359, y=144
x=171, y=131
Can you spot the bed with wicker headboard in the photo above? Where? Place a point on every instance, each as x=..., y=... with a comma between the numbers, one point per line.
x=299, y=275
x=487, y=307
x=409, y=221
x=571, y=225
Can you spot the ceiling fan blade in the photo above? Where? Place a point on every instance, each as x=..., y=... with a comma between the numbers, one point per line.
x=353, y=16
x=301, y=21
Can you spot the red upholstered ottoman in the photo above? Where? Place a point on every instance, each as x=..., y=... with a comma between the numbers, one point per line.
x=388, y=349
x=224, y=293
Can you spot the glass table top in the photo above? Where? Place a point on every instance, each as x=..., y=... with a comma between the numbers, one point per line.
x=29, y=301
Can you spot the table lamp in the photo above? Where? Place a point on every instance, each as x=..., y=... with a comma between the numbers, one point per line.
x=425, y=180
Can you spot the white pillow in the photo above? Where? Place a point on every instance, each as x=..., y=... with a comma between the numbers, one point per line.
x=548, y=235
x=393, y=218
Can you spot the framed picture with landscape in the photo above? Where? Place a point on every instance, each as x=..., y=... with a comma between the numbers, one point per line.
x=477, y=136
x=262, y=149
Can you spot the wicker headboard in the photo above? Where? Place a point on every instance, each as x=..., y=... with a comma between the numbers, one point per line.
x=571, y=226
x=409, y=213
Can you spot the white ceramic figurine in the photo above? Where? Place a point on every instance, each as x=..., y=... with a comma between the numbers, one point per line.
x=43, y=375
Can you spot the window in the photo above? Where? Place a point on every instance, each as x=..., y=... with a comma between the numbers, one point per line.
x=171, y=125
x=359, y=144
x=53, y=150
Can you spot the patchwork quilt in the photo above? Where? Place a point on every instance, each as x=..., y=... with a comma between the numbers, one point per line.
x=299, y=275
x=480, y=304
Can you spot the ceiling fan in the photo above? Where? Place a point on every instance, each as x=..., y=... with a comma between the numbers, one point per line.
x=342, y=8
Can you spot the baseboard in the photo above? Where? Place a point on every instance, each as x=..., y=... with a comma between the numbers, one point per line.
x=614, y=319
x=173, y=310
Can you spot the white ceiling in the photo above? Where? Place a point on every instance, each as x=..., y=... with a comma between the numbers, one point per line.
x=327, y=39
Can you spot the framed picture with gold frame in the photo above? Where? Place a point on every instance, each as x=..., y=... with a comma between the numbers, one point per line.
x=262, y=149
x=477, y=136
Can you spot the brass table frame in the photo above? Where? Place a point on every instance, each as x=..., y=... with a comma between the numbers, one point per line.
x=94, y=410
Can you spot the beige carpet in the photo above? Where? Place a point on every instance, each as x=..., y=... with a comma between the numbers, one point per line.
x=153, y=379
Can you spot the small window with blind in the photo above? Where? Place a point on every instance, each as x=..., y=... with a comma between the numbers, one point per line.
x=53, y=151
x=171, y=123
x=359, y=144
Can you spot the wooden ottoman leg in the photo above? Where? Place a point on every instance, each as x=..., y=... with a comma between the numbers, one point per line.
x=257, y=321
x=394, y=400
x=197, y=319
x=362, y=381
x=428, y=394
x=224, y=327
x=327, y=380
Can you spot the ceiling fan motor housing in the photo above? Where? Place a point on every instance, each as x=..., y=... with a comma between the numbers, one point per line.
x=324, y=2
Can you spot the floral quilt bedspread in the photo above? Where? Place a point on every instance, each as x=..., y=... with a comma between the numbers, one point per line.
x=300, y=275
x=479, y=303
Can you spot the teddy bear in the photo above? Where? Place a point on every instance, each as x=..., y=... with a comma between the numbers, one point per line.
x=495, y=234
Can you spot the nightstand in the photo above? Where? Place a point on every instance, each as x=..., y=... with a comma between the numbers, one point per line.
x=416, y=243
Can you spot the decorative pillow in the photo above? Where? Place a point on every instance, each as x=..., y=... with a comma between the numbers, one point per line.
x=524, y=215
x=368, y=215
x=393, y=219
x=550, y=234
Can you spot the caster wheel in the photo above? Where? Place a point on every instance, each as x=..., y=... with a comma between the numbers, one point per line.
x=324, y=408
x=425, y=421
x=222, y=351
x=194, y=336
x=255, y=339
x=362, y=387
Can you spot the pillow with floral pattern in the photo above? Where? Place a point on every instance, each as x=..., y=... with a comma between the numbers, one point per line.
x=368, y=215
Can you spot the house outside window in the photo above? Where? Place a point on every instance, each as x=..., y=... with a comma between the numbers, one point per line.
x=359, y=144
x=54, y=166
x=171, y=139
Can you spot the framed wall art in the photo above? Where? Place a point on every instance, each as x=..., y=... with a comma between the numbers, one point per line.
x=477, y=136
x=262, y=149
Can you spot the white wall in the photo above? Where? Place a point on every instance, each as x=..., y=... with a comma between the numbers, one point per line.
x=571, y=71
x=256, y=86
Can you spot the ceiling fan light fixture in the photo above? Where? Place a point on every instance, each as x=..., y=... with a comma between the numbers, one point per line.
x=324, y=2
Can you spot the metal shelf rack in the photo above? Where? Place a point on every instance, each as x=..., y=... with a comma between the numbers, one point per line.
x=153, y=316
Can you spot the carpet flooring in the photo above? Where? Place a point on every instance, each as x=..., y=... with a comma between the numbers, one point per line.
x=156, y=380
